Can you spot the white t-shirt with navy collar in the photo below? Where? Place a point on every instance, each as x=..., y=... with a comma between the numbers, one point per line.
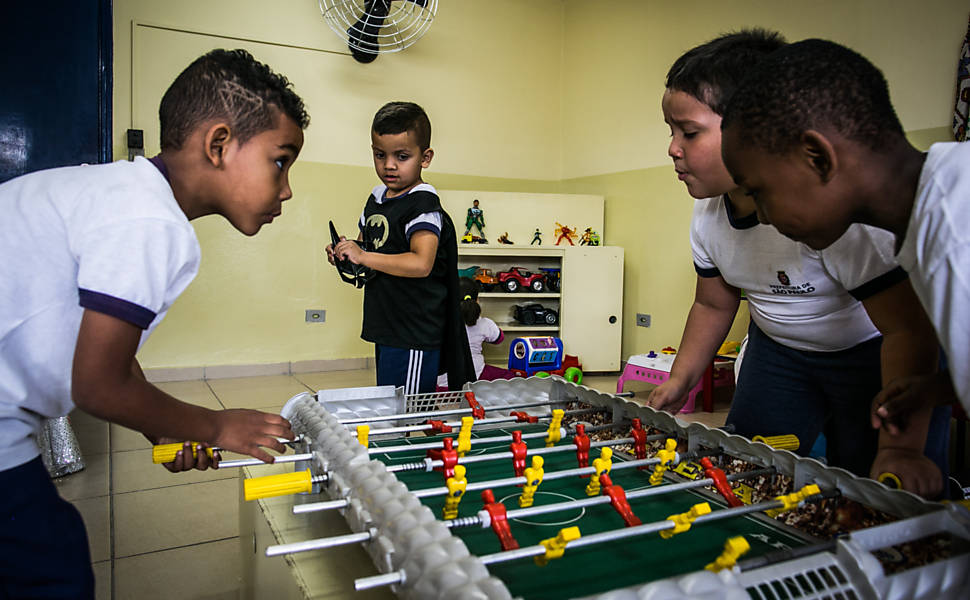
x=109, y=238
x=802, y=298
x=936, y=252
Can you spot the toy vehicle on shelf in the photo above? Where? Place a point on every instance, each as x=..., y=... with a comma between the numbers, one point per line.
x=483, y=276
x=535, y=314
x=553, y=278
x=473, y=239
x=517, y=278
x=468, y=272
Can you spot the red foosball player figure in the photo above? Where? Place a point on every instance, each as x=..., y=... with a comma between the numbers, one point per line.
x=720, y=482
x=519, y=451
x=447, y=455
x=498, y=521
x=639, y=435
x=619, y=501
x=581, y=440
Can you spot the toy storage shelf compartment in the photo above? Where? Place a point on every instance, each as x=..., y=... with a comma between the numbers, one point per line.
x=589, y=301
x=519, y=295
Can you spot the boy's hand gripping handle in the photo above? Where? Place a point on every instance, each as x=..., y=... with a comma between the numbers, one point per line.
x=163, y=453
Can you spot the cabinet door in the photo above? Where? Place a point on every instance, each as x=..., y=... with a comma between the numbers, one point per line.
x=592, y=305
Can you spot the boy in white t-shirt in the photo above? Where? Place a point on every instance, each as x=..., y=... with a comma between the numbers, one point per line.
x=819, y=320
x=102, y=252
x=812, y=136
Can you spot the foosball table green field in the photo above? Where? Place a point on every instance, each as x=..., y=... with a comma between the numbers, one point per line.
x=607, y=500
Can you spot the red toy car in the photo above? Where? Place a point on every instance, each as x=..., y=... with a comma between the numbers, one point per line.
x=517, y=277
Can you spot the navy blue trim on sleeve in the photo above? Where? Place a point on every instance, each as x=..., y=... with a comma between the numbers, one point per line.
x=423, y=226
x=139, y=316
x=706, y=273
x=883, y=282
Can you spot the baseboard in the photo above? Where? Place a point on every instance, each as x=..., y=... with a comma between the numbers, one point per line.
x=164, y=374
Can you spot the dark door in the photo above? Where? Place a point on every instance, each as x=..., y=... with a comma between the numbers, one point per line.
x=55, y=85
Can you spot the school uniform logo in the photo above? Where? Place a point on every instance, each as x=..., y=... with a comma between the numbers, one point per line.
x=787, y=288
x=376, y=230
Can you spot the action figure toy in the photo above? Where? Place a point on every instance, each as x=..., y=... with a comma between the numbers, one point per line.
x=536, y=238
x=475, y=218
x=565, y=232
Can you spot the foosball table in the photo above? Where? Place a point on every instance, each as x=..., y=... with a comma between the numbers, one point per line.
x=541, y=488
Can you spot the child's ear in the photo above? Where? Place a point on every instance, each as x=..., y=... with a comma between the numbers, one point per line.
x=426, y=157
x=819, y=153
x=217, y=138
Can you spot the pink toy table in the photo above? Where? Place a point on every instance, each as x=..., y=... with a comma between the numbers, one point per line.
x=655, y=368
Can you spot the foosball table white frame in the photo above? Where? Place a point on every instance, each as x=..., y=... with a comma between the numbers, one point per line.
x=407, y=540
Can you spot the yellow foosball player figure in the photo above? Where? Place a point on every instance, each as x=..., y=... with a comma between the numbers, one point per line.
x=683, y=521
x=666, y=456
x=603, y=464
x=456, y=485
x=533, y=477
x=733, y=549
x=555, y=434
x=556, y=546
x=465, y=436
x=791, y=501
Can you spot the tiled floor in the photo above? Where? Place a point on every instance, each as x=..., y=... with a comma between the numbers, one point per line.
x=155, y=534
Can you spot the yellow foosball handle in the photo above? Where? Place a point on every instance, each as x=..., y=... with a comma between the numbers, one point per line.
x=277, y=485
x=890, y=480
x=163, y=453
x=779, y=442
x=363, y=435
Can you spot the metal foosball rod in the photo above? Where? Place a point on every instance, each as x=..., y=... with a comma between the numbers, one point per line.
x=331, y=542
x=163, y=453
x=496, y=439
x=486, y=421
x=429, y=464
x=533, y=511
x=461, y=411
x=514, y=481
x=554, y=547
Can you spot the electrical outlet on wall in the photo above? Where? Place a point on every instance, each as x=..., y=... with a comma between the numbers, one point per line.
x=316, y=315
x=643, y=320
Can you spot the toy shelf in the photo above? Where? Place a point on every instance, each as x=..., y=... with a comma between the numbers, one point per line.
x=520, y=295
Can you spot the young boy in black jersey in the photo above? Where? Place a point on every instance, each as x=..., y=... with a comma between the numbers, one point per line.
x=411, y=305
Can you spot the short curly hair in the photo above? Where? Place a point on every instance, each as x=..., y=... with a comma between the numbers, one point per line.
x=230, y=85
x=400, y=117
x=812, y=84
x=712, y=71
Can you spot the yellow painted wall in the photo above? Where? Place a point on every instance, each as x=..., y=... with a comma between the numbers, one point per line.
x=616, y=140
x=540, y=96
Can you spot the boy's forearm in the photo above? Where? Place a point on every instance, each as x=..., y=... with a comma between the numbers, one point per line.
x=906, y=353
x=704, y=332
x=138, y=405
x=406, y=264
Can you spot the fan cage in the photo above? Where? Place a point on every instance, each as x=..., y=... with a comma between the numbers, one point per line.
x=404, y=25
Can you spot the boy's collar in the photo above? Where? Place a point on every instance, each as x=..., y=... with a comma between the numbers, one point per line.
x=160, y=165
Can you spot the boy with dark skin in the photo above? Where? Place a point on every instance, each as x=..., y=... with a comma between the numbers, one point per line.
x=104, y=251
x=813, y=139
x=815, y=358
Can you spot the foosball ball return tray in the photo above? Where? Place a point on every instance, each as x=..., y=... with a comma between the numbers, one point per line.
x=541, y=488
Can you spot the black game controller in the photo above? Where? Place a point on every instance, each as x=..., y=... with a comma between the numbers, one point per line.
x=354, y=274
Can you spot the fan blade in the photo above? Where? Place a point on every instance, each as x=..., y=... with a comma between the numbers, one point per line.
x=363, y=34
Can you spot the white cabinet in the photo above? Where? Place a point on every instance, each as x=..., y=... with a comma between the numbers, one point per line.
x=591, y=297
